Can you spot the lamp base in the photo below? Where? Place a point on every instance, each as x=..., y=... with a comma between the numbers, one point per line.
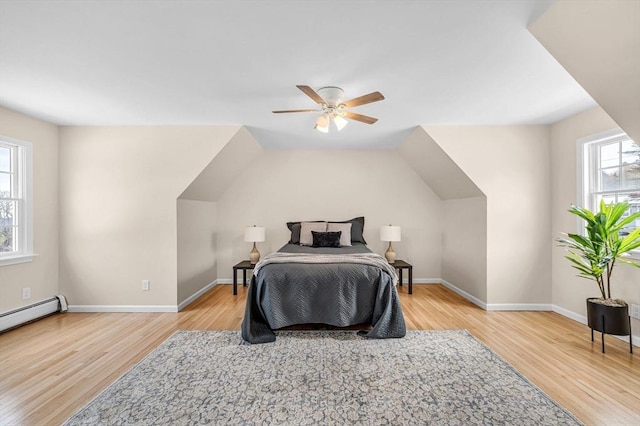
x=390, y=254
x=254, y=255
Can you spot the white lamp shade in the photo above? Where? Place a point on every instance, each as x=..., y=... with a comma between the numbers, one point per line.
x=254, y=234
x=322, y=123
x=390, y=233
x=340, y=122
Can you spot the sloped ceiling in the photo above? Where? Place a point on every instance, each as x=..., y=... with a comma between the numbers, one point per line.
x=225, y=168
x=421, y=153
x=436, y=168
x=598, y=42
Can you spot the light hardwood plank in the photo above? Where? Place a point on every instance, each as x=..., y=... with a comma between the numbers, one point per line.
x=53, y=367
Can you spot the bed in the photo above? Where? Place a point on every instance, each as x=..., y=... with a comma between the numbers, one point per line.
x=338, y=285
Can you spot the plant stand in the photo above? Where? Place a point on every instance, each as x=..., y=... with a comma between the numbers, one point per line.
x=606, y=319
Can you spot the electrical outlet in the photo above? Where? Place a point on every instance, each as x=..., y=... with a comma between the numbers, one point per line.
x=635, y=311
x=26, y=293
x=146, y=285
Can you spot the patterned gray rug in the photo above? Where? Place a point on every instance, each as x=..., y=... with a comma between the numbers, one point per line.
x=323, y=377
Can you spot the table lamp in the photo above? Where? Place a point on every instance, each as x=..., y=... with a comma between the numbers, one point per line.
x=254, y=234
x=390, y=233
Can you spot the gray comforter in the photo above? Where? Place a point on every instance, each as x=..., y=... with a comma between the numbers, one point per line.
x=339, y=294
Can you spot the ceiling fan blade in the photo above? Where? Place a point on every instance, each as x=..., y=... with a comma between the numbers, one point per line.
x=296, y=110
x=312, y=94
x=365, y=99
x=360, y=117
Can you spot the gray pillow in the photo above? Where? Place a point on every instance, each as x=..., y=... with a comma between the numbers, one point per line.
x=294, y=227
x=357, y=228
x=345, y=228
x=295, y=233
x=306, y=238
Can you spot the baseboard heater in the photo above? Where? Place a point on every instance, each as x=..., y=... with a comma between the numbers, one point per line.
x=30, y=313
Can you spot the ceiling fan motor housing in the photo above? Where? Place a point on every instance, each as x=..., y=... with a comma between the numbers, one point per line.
x=332, y=95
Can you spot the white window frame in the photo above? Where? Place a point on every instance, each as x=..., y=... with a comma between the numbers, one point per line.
x=23, y=157
x=586, y=167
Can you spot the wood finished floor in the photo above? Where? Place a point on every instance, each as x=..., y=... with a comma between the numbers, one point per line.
x=53, y=367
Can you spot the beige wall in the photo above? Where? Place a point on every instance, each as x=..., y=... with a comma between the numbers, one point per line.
x=464, y=245
x=569, y=291
x=510, y=165
x=118, y=215
x=41, y=274
x=282, y=186
x=196, y=251
x=464, y=214
x=119, y=209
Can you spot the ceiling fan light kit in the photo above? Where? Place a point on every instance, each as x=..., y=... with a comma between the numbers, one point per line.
x=333, y=108
x=340, y=122
x=322, y=123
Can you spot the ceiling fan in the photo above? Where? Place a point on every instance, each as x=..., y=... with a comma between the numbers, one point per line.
x=333, y=108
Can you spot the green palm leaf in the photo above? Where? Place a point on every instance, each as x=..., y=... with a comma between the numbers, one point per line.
x=595, y=253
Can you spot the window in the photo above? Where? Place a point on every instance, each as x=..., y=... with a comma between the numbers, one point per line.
x=611, y=172
x=16, y=235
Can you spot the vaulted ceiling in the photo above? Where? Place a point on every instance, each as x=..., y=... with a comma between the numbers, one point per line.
x=232, y=62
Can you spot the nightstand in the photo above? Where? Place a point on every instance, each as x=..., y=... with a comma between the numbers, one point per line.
x=400, y=265
x=244, y=265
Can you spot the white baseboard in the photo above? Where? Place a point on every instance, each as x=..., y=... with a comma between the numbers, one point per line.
x=186, y=302
x=488, y=307
x=464, y=294
x=529, y=307
x=405, y=280
x=196, y=295
x=422, y=281
x=123, y=308
x=569, y=314
x=497, y=306
x=635, y=340
x=143, y=308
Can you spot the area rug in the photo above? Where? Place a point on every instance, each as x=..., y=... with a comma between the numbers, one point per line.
x=323, y=377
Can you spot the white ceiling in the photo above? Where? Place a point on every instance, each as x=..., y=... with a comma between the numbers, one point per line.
x=598, y=42
x=233, y=62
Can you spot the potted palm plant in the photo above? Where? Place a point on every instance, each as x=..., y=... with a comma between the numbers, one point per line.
x=595, y=255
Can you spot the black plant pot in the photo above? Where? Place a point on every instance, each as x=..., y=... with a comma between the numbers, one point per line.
x=609, y=319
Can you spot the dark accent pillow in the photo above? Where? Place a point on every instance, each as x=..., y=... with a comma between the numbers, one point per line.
x=326, y=239
x=357, y=228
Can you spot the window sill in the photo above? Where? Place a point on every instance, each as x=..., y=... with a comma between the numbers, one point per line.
x=20, y=258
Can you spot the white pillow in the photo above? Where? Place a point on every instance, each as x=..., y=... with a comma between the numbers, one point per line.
x=306, y=238
x=345, y=237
